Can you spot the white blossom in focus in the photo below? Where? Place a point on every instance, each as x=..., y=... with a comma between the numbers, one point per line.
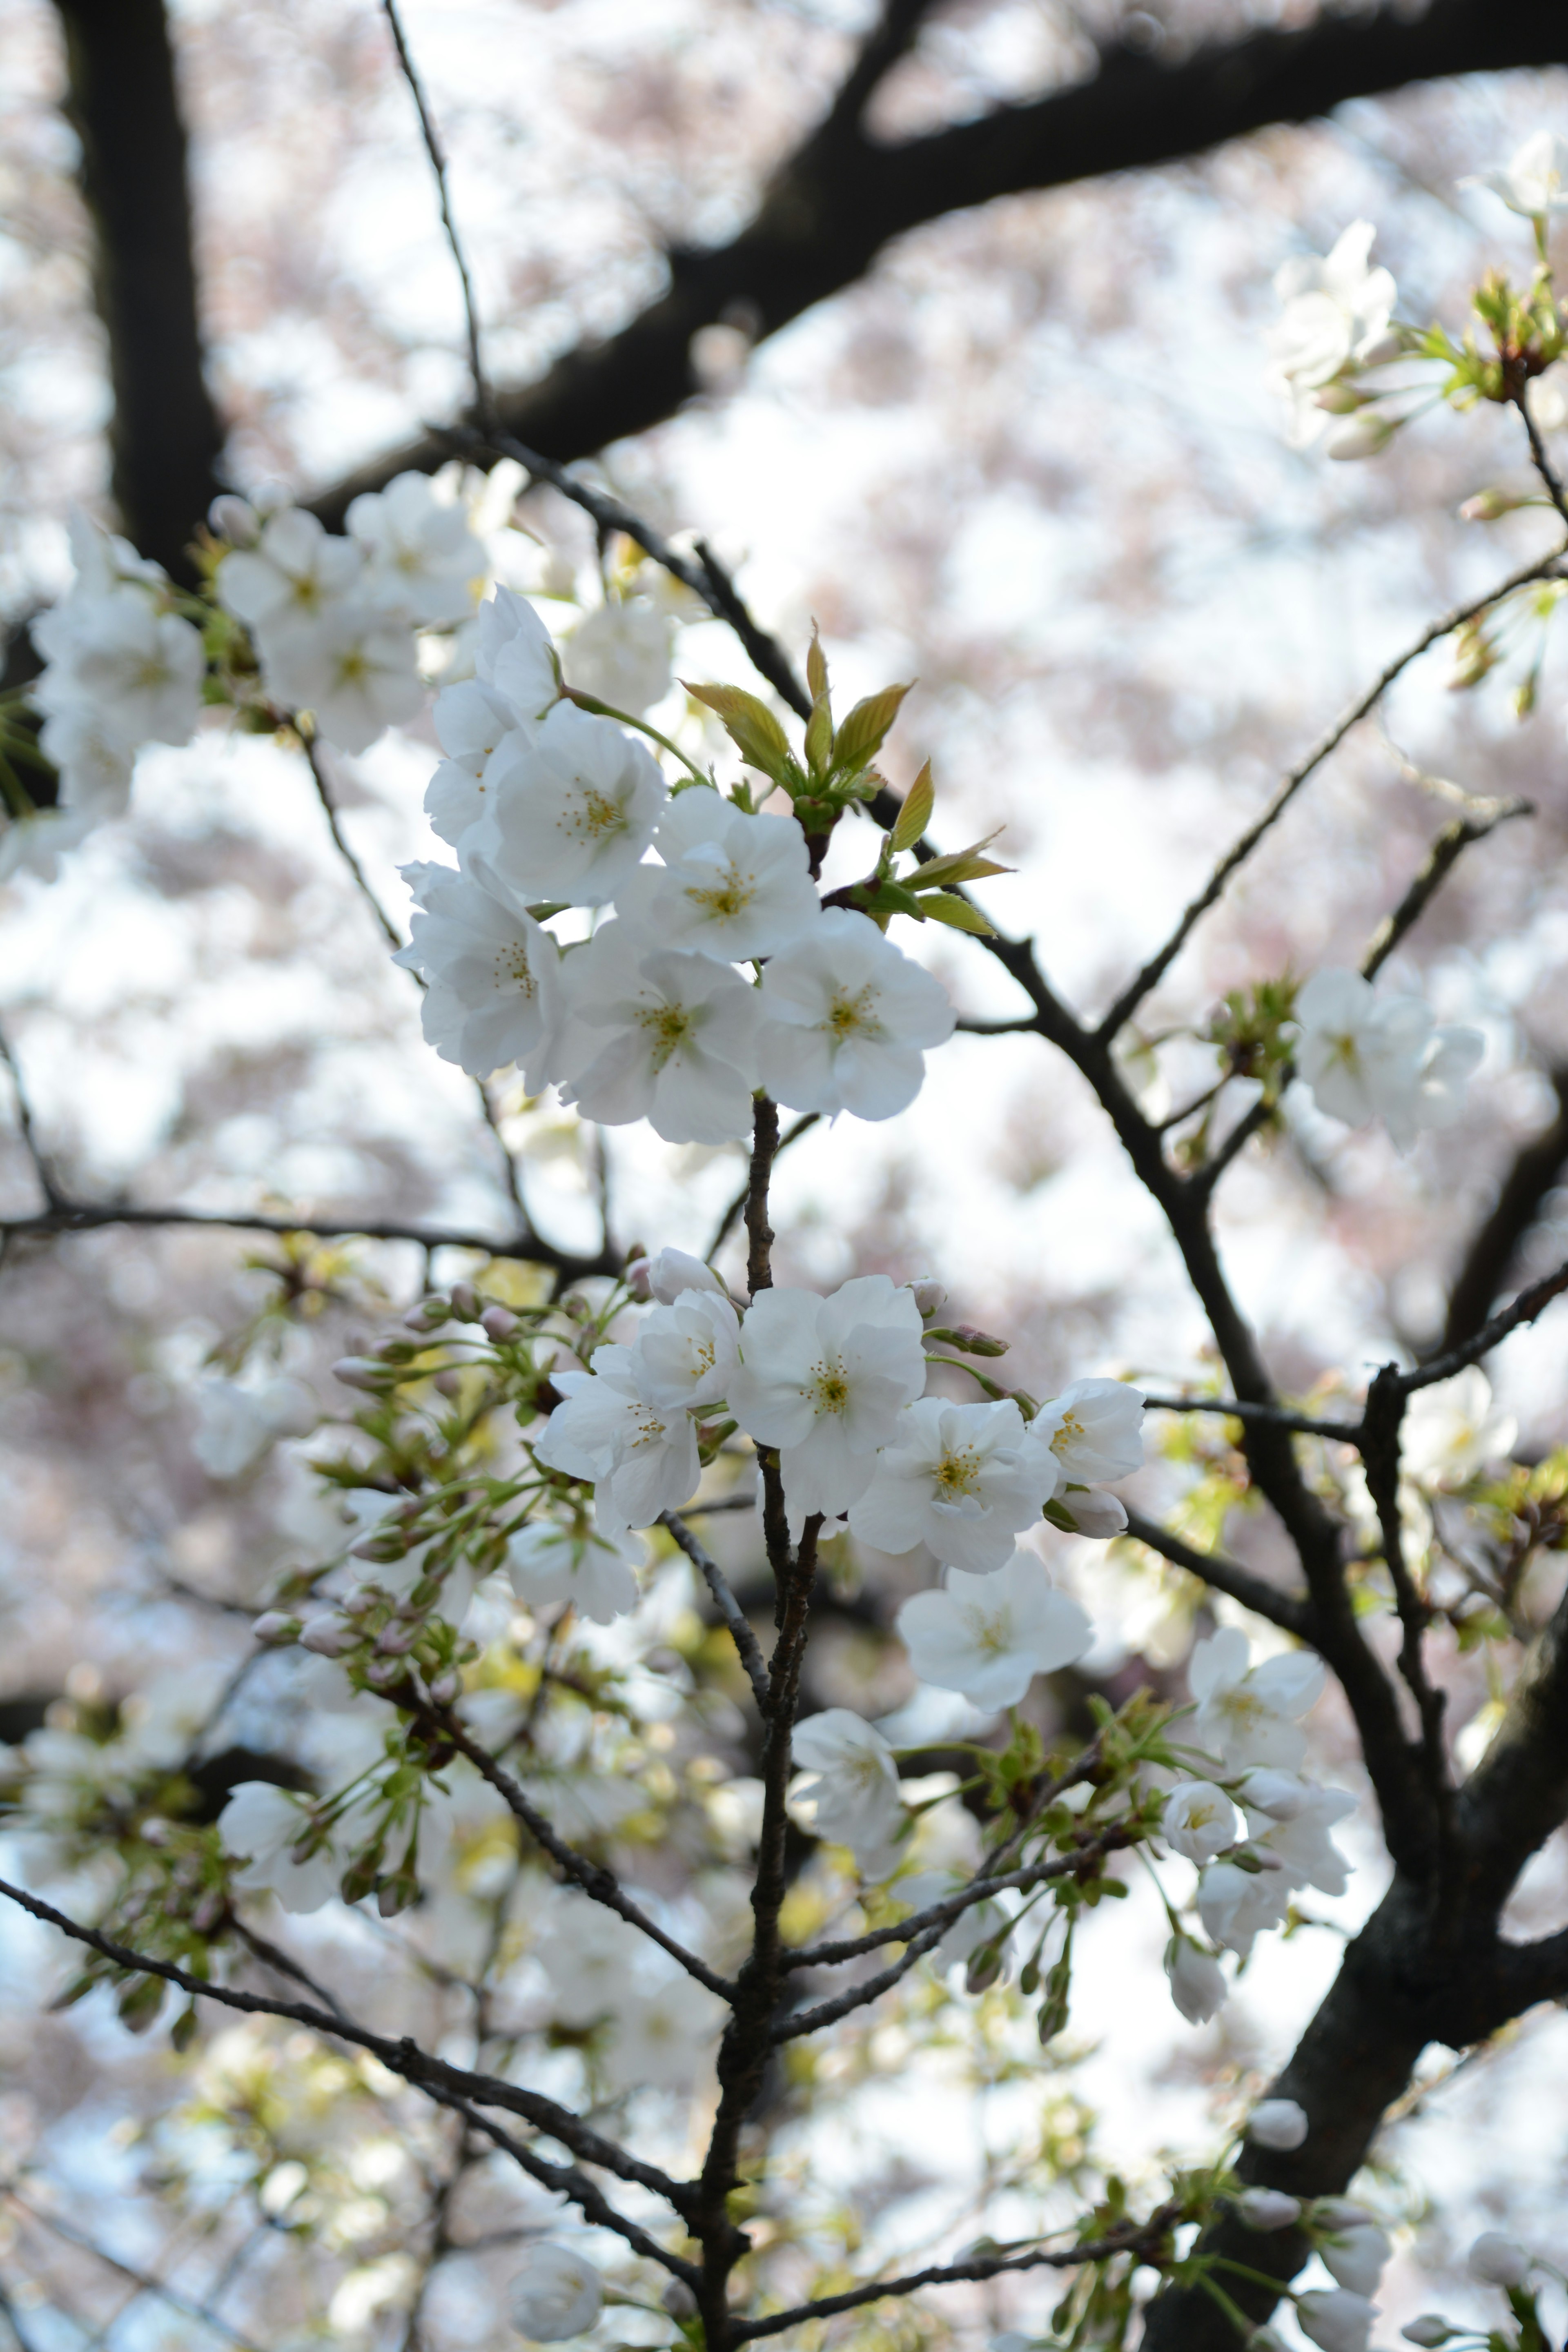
x=824, y=1379
x=236, y=1426
x=262, y=1824
x=493, y=986
x=554, y=2294
x=1302, y=1845
x=1498, y=2260
x=962, y=1479
x=1366, y=1057
x=848, y=1790
x=553, y=1560
x=642, y=1460
x=352, y=666
x=1277, y=2122
x=514, y=654
x=687, y=1351
x=572, y=807
x=674, y=1272
x=731, y=886
x=847, y=1019
x=620, y=654
x=658, y=1035
x=1534, y=180
x=1336, y=316
x=1095, y=1429
x=297, y=572
x=989, y=1636
x=1199, y=1821
x=1197, y=1982
x=1335, y=2319
x=1249, y=1715
x=422, y=562
x=475, y=726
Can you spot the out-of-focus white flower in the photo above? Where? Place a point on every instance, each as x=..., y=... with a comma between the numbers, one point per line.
x=1336, y=317
x=1366, y=1057
x=688, y=1352
x=661, y=2037
x=658, y=1035
x=731, y=886
x=674, y=1272
x=620, y=654
x=236, y=1426
x=824, y=1379
x=296, y=572
x=264, y=1824
x=494, y=985
x=554, y=2294
x=642, y=1459
x=1365, y=435
x=1095, y=1429
x=1452, y=1429
x=961, y=1478
x=354, y=669
x=1199, y=1820
x=848, y=1791
x=1498, y=2260
x=572, y=806
x=590, y=1956
x=1248, y=1715
x=1197, y=1982
x=1238, y=1905
x=1302, y=1843
x=1534, y=180
x=1268, y=2208
x=34, y=845
x=1357, y=2257
x=1336, y=2319
x=989, y=1636
x=549, y=1561
x=1547, y=395
x=137, y=669
x=1277, y=2122
x=422, y=561
x=848, y=1018
x=95, y=765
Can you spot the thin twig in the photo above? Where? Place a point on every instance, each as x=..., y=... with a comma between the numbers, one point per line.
x=85, y=1216
x=142, y=2280
x=1380, y=1452
x=483, y=406
x=747, y=1645
x=1293, y=1613
x=1544, y=464
x=329, y=809
x=1443, y=855
x=727, y=1220
x=1524, y=1309
x=932, y=1923
x=29, y=1134
x=1154, y=970
x=1276, y=1416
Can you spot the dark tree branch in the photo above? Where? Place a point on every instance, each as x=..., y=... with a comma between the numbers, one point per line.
x=165, y=437
x=1525, y=1308
x=433, y=148
x=85, y=1216
x=746, y=1642
x=1537, y=1166
x=1276, y=1416
x=726, y=1222
x=1444, y=853
x=1293, y=1611
x=842, y=196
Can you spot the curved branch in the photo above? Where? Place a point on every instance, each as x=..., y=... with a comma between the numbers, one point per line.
x=1291, y=1611
x=87, y=1216
x=1536, y=1169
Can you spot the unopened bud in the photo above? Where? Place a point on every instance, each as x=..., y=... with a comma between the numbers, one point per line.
x=449, y=1382
x=1339, y=399
x=304, y=1847
x=499, y=1322
x=236, y=519
x=386, y=1544
x=1428, y=2330
x=364, y=1372
x=639, y=1282
x=1268, y=2208
x=446, y=1688
x=358, y=1878
x=359, y=1599
x=1360, y=436
x=1386, y=348
x=396, y=1640
x=983, y=1970
x=1488, y=506
x=974, y=1342
x=678, y=2300
x=382, y=1673
x=209, y=1912
x=930, y=1297
x=276, y=1625
x=465, y=1302
x=330, y=1637
x=428, y=1314
x=395, y=1895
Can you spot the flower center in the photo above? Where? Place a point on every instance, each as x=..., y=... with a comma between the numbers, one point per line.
x=1071, y=1427
x=511, y=966
x=727, y=899
x=669, y=1027
x=957, y=1474
x=991, y=1634
x=353, y=667
x=849, y=1016
x=647, y=1428
x=595, y=814
x=829, y=1388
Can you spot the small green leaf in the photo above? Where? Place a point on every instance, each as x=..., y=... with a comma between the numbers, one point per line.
x=819, y=737
x=750, y=727
x=915, y=814
x=959, y=865
x=942, y=908
x=861, y=735
x=816, y=667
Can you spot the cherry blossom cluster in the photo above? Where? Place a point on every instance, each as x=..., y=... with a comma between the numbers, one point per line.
x=1367, y=1056
x=553, y=807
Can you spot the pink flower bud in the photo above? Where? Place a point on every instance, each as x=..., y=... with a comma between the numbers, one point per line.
x=235, y=519
x=930, y=1297
x=499, y=1322
x=383, y=1673
x=446, y=1688
x=275, y=1625
x=363, y=1373
x=639, y=1279
x=465, y=1302
x=396, y=1640
x=428, y=1314
x=330, y=1637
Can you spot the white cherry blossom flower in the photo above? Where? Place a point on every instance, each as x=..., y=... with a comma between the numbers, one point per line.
x=642, y=1459
x=847, y=1791
x=662, y=2036
x=731, y=886
x=590, y=1956
x=687, y=1352
x=1357, y=2256
x=551, y=1560
x=422, y=561
x=1199, y=1820
x=493, y=985
x=1336, y=317
x=354, y=669
x=1279, y=1795
x=847, y=1020
x=1197, y=1982
x=1302, y=1845
x=138, y=670
x=95, y=763
x=1249, y=1715
x=236, y=1426
x=573, y=806
x=961, y=1478
x=1498, y=2260
x=658, y=1035
x=674, y=1272
x=1452, y=1429
x=1095, y=1429
x=620, y=654
x=296, y=572
x=1534, y=181
x=556, y=2293
x=989, y=1636
x=1278, y=2123
x=824, y=1379
x=1366, y=1057
x=475, y=726
x=514, y=654
x=1335, y=2319
x=262, y=1824
x=1238, y=1905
